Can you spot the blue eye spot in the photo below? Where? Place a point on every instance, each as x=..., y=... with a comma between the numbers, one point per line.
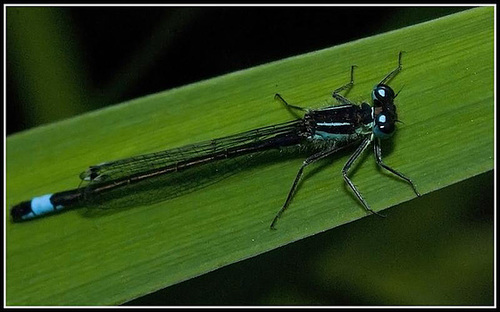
x=381, y=92
x=381, y=118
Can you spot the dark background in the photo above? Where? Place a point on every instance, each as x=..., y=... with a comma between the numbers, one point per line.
x=65, y=61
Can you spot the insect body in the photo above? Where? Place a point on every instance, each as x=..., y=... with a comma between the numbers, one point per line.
x=328, y=129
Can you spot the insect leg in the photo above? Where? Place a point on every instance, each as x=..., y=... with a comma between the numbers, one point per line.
x=394, y=72
x=351, y=160
x=378, y=157
x=311, y=159
x=277, y=95
x=348, y=86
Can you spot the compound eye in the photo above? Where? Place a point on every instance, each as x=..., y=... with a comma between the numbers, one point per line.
x=384, y=126
x=382, y=94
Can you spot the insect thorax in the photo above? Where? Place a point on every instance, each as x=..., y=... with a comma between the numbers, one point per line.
x=340, y=123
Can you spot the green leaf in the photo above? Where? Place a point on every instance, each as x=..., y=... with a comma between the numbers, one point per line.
x=77, y=258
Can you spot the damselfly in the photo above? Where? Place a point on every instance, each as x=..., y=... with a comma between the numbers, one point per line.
x=328, y=130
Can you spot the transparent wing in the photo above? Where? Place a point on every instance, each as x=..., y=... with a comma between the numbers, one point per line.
x=172, y=158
